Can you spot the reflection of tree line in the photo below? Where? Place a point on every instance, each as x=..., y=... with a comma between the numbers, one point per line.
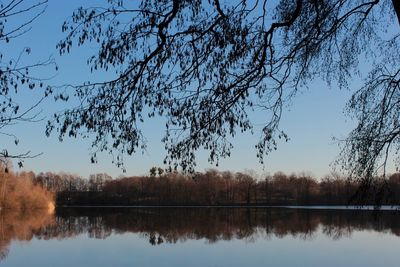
x=177, y=225
x=173, y=225
x=22, y=226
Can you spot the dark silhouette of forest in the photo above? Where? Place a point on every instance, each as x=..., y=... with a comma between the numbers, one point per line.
x=214, y=188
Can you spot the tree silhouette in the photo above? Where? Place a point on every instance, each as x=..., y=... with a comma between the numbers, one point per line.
x=206, y=66
x=16, y=17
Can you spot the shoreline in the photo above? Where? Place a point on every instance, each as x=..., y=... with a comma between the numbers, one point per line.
x=304, y=207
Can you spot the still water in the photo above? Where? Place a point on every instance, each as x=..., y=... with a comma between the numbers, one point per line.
x=200, y=237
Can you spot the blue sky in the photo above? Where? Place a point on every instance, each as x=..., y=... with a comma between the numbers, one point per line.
x=311, y=121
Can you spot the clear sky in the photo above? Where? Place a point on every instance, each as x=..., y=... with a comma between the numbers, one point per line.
x=314, y=118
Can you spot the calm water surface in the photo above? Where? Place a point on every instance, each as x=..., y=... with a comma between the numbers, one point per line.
x=200, y=237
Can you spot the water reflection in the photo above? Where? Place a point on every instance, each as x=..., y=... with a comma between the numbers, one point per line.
x=168, y=225
x=22, y=227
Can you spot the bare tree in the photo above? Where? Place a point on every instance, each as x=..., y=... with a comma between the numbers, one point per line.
x=16, y=18
x=205, y=66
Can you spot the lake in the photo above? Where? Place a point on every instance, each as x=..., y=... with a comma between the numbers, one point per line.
x=200, y=237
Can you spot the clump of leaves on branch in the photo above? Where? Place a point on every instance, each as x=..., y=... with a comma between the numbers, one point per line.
x=206, y=65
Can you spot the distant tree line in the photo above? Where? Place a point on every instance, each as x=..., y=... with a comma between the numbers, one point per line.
x=216, y=188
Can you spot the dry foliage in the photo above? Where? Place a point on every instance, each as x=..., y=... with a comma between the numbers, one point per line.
x=17, y=192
